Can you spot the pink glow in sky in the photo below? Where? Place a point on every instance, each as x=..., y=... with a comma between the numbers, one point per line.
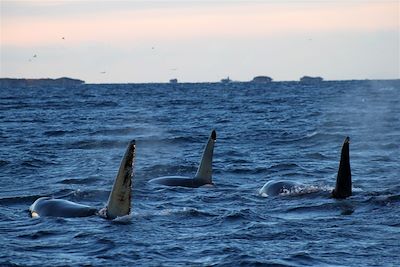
x=141, y=41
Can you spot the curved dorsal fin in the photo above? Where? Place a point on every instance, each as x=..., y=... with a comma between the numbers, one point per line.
x=204, y=172
x=119, y=200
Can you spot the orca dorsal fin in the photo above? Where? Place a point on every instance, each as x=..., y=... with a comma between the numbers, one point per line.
x=119, y=200
x=204, y=172
x=343, y=180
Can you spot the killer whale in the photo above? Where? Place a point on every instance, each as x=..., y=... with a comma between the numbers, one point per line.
x=343, y=187
x=118, y=204
x=204, y=172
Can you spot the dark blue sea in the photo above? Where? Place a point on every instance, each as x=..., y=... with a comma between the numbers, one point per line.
x=68, y=143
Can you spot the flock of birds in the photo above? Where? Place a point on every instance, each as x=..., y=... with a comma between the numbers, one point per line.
x=35, y=56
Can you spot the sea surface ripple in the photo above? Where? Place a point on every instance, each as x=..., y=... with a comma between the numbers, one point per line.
x=68, y=143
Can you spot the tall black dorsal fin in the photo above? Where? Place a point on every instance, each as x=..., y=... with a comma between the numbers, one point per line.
x=343, y=180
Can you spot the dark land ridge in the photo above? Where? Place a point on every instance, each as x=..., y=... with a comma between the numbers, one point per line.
x=66, y=82
x=60, y=82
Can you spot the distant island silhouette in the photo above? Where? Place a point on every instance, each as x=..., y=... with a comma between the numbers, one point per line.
x=311, y=80
x=261, y=79
x=66, y=82
x=60, y=82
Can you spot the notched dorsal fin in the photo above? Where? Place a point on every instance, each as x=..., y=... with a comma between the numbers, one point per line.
x=119, y=200
x=204, y=172
x=343, y=180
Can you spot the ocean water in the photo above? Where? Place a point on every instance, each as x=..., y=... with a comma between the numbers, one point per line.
x=68, y=143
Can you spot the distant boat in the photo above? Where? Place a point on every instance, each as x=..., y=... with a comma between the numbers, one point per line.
x=173, y=81
x=226, y=80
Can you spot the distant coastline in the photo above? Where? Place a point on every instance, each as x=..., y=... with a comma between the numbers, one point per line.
x=66, y=82
x=60, y=82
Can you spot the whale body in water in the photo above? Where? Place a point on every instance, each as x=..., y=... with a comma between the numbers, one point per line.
x=118, y=204
x=343, y=187
x=204, y=171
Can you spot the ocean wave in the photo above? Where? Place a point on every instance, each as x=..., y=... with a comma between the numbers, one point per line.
x=101, y=104
x=390, y=146
x=333, y=208
x=40, y=234
x=78, y=195
x=4, y=162
x=127, y=219
x=185, y=211
x=90, y=180
x=55, y=133
x=117, y=131
x=159, y=170
x=316, y=156
x=265, y=131
x=15, y=200
x=169, y=140
x=96, y=144
x=284, y=167
x=75, y=195
x=241, y=214
x=303, y=258
x=319, y=136
x=36, y=162
x=383, y=199
x=242, y=170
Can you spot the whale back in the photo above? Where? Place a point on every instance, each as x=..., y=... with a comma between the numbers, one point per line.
x=46, y=206
x=175, y=181
x=204, y=171
x=343, y=180
x=119, y=200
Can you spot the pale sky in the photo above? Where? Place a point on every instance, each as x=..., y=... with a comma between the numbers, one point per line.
x=199, y=41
